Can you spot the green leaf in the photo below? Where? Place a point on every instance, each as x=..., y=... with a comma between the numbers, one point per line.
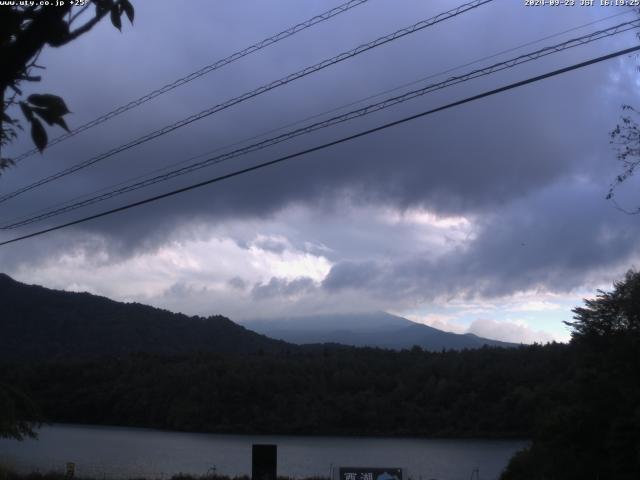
x=44, y=114
x=50, y=117
x=26, y=111
x=53, y=103
x=38, y=134
x=115, y=17
x=60, y=122
x=128, y=9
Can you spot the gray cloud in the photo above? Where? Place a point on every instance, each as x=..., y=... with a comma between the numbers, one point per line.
x=357, y=275
x=270, y=244
x=558, y=239
x=470, y=158
x=281, y=287
x=238, y=283
x=508, y=332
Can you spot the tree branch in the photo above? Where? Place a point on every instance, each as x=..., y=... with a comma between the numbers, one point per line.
x=81, y=30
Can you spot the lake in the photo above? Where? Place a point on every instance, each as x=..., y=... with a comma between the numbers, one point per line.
x=118, y=452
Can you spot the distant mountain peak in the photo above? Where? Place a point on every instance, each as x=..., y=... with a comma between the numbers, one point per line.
x=379, y=321
x=374, y=329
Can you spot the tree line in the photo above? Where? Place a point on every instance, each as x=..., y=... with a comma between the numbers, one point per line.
x=489, y=392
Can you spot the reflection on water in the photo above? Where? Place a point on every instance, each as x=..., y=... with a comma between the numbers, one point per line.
x=130, y=452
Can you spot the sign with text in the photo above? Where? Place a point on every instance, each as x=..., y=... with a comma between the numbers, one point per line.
x=366, y=473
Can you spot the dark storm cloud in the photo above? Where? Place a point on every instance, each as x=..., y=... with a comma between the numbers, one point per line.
x=554, y=240
x=499, y=160
x=468, y=158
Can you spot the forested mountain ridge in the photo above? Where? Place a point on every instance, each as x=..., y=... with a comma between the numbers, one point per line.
x=41, y=323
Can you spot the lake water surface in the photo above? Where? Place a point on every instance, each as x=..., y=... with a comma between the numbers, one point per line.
x=118, y=452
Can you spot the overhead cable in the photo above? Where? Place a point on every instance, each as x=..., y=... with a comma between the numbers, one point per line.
x=481, y=72
x=199, y=73
x=325, y=112
x=265, y=88
x=329, y=144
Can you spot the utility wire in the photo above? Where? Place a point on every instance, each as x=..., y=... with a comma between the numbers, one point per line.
x=265, y=88
x=497, y=67
x=336, y=109
x=199, y=73
x=317, y=115
x=259, y=166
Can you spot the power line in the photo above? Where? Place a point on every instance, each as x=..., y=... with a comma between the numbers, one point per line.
x=453, y=69
x=265, y=88
x=202, y=71
x=335, y=120
x=326, y=112
x=318, y=115
x=330, y=144
x=585, y=39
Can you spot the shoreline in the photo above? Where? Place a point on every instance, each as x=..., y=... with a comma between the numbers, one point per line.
x=7, y=473
x=487, y=437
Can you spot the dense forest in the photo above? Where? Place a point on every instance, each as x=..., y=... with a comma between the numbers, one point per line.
x=485, y=392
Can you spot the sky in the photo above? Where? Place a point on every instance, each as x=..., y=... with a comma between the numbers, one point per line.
x=487, y=218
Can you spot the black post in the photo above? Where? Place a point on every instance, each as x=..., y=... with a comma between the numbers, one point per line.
x=264, y=462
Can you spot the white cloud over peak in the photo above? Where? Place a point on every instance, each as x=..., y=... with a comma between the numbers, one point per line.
x=517, y=331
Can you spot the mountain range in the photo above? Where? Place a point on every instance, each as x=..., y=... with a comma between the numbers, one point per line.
x=378, y=329
x=37, y=322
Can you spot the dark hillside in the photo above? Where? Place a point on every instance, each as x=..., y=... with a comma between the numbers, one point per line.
x=36, y=322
